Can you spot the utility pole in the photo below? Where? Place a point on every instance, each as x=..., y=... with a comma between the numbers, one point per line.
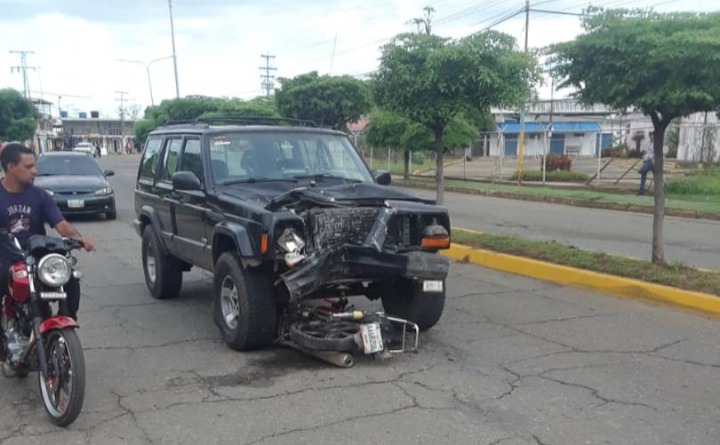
x=267, y=83
x=521, y=138
x=122, y=118
x=24, y=69
x=172, y=35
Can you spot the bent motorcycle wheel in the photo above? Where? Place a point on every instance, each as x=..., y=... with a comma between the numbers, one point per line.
x=325, y=336
x=63, y=387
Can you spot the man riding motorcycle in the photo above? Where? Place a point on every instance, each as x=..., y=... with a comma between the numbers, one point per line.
x=24, y=211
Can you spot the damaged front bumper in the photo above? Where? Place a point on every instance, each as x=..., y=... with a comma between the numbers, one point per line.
x=352, y=263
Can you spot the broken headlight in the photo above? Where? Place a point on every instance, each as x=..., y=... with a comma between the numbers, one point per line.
x=435, y=236
x=292, y=246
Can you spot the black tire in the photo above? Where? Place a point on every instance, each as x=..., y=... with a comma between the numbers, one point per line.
x=76, y=396
x=163, y=272
x=326, y=336
x=112, y=214
x=406, y=299
x=248, y=295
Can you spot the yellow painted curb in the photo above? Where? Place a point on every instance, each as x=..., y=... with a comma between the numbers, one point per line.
x=569, y=276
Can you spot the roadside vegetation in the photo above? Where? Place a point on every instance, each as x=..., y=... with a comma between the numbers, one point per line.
x=674, y=274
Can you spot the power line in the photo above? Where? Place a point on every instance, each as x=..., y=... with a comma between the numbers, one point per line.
x=24, y=69
x=267, y=83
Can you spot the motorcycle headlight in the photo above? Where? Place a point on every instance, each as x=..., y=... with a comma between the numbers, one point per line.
x=104, y=191
x=54, y=270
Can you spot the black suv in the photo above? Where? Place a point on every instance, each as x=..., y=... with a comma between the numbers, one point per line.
x=282, y=212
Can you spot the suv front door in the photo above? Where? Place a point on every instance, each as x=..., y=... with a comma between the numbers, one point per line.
x=190, y=211
x=164, y=190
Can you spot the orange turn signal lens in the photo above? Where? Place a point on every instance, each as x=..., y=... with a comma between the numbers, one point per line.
x=264, y=243
x=436, y=243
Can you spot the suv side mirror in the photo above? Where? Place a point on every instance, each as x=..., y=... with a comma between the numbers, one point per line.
x=382, y=177
x=185, y=180
x=109, y=173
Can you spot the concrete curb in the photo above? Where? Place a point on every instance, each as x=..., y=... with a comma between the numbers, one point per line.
x=568, y=276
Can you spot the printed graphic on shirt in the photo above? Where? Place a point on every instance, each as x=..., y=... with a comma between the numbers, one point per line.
x=19, y=217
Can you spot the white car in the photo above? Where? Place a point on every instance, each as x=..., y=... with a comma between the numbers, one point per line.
x=85, y=147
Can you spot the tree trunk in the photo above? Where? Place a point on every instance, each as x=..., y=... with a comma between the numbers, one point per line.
x=658, y=248
x=406, y=162
x=439, y=158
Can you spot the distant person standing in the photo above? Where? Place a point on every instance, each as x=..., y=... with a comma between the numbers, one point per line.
x=648, y=164
x=98, y=152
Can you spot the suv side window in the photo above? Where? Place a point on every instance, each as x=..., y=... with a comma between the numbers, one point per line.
x=148, y=164
x=192, y=159
x=170, y=162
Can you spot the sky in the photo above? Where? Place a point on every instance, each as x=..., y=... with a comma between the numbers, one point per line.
x=77, y=44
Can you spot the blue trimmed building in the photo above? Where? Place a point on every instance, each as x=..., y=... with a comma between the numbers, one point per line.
x=575, y=138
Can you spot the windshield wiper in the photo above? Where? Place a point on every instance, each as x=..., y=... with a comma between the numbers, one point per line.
x=321, y=176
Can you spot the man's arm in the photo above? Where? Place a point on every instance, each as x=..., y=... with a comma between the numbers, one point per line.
x=54, y=217
x=64, y=228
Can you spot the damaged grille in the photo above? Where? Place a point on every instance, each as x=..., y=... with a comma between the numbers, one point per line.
x=334, y=227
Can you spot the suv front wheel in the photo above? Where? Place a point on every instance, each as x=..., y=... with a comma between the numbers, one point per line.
x=406, y=299
x=163, y=272
x=244, y=304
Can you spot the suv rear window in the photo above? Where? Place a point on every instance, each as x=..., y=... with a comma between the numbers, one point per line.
x=149, y=162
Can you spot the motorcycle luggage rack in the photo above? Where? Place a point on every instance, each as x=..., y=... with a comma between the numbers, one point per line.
x=409, y=339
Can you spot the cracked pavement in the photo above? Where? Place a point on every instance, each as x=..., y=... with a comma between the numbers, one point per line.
x=513, y=361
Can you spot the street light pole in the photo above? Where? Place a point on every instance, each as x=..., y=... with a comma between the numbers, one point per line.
x=172, y=34
x=147, y=71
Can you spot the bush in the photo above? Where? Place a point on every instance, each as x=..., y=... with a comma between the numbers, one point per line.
x=554, y=176
x=707, y=184
x=418, y=158
x=613, y=152
x=557, y=162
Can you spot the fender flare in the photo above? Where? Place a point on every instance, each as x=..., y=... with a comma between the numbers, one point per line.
x=150, y=213
x=238, y=234
x=58, y=322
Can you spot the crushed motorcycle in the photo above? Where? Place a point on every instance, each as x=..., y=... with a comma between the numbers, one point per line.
x=352, y=258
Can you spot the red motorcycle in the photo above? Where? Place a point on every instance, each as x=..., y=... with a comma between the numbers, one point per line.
x=35, y=339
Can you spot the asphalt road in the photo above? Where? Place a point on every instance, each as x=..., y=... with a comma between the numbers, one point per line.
x=513, y=361
x=691, y=241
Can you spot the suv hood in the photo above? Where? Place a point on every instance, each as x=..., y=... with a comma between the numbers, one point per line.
x=274, y=195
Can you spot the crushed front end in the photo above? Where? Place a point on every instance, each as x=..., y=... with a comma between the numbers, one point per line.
x=342, y=251
x=343, y=247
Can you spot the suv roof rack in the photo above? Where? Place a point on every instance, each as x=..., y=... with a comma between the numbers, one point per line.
x=172, y=122
x=252, y=120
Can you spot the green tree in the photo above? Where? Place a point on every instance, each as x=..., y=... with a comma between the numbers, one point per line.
x=18, y=116
x=432, y=80
x=665, y=65
x=392, y=130
x=193, y=107
x=331, y=101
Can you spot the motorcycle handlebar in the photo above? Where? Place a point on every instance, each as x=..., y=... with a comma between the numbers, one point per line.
x=73, y=243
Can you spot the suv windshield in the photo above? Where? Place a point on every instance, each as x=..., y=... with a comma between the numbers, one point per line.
x=67, y=165
x=246, y=156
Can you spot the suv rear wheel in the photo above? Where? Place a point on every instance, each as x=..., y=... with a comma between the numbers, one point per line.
x=406, y=299
x=244, y=305
x=163, y=272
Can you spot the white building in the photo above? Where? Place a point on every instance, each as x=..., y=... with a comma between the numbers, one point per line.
x=562, y=126
x=699, y=138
